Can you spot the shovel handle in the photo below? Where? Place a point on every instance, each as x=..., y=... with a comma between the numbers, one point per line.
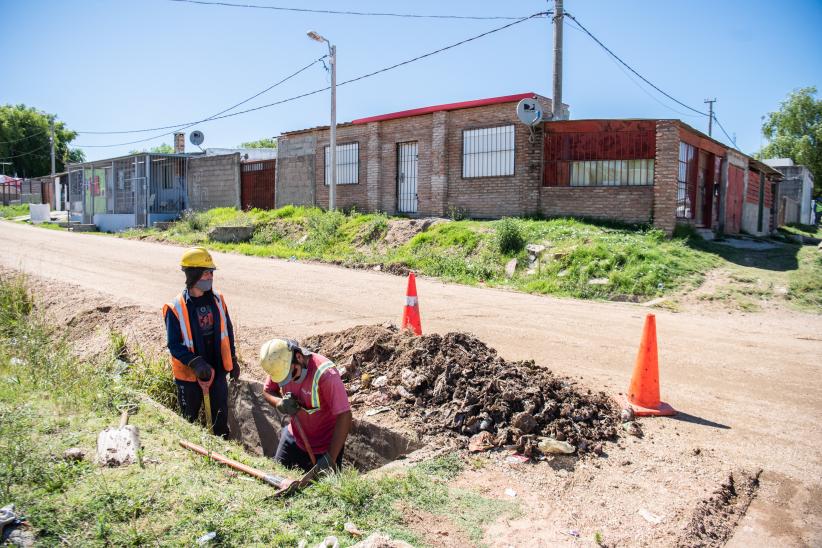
x=308, y=449
x=124, y=418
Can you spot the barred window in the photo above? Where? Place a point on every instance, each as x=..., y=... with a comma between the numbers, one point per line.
x=348, y=164
x=687, y=164
x=612, y=173
x=488, y=152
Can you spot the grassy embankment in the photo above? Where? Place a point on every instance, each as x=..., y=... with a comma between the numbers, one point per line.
x=49, y=402
x=583, y=259
x=12, y=211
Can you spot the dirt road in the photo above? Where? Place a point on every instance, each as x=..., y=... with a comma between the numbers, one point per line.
x=748, y=385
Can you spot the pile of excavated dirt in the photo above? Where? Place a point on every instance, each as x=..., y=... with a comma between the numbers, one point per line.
x=456, y=385
x=716, y=517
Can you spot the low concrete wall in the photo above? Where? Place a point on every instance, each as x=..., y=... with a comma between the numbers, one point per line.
x=750, y=219
x=114, y=222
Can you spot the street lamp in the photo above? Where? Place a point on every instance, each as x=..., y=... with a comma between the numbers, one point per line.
x=332, y=145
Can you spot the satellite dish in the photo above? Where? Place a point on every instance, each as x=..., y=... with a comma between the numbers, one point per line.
x=196, y=137
x=529, y=112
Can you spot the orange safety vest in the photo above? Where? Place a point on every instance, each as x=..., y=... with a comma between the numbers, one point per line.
x=178, y=307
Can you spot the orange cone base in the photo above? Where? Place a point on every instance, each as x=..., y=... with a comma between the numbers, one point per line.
x=663, y=410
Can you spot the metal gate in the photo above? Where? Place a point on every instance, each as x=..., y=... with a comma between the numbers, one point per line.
x=407, y=177
x=257, y=181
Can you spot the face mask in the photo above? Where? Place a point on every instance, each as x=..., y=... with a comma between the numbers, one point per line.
x=203, y=285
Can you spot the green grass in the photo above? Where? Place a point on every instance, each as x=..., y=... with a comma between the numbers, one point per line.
x=802, y=230
x=636, y=262
x=50, y=402
x=805, y=283
x=11, y=211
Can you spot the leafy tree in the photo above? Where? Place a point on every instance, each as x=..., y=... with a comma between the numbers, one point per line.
x=266, y=142
x=165, y=148
x=795, y=132
x=24, y=141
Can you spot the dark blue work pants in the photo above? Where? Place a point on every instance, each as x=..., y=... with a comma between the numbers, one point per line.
x=190, y=396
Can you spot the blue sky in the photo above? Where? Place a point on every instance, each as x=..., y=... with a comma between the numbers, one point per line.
x=132, y=64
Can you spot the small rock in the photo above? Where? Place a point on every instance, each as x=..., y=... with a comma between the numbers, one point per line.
x=697, y=451
x=380, y=381
x=633, y=428
x=627, y=414
x=74, y=454
x=403, y=393
x=510, y=492
x=535, y=249
x=481, y=442
x=650, y=517
x=352, y=529
x=329, y=542
x=626, y=462
x=562, y=273
x=377, y=268
x=525, y=422
x=511, y=268
x=208, y=537
x=380, y=540
x=549, y=446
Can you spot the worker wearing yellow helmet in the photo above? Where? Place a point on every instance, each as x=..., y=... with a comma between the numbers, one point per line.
x=306, y=387
x=200, y=338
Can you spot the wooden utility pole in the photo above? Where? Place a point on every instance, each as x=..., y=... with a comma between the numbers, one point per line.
x=557, y=99
x=710, y=114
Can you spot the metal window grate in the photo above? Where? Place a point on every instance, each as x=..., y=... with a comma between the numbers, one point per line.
x=348, y=164
x=686, y=181
x=612, y=173
x=488, y=152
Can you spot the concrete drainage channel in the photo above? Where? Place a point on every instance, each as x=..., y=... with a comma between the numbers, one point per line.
x=257, y=425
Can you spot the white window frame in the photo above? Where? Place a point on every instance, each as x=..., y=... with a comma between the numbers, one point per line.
x=348, y=164
x=488, y=151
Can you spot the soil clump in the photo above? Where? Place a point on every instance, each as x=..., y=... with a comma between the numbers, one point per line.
x=455, y=385
x=715, y=518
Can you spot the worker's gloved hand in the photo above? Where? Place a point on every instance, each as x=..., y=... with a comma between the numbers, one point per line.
x=235, y=371
x=201, y=368
x=324, y=463
x=288, y=406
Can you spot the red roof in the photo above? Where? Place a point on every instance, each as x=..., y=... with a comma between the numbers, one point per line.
x=449, y=106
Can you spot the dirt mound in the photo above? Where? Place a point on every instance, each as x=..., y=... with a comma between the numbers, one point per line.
x=401, y=231
x=456, y=385
x=715, y=517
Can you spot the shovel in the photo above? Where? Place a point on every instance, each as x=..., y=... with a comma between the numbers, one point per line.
x=285, y=486
x=206, y=387
x=118, y=446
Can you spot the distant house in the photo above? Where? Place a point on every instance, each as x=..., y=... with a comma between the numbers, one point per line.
x=477, y=158
x=795, y=197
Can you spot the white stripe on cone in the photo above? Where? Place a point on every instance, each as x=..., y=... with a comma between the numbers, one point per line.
x=410, y=301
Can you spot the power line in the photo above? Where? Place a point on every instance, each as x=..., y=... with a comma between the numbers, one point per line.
x=337, y=12
x=725, y=132
x=23, y=138
x=629, y=67
x=244, y=101
x=314, y=92
x=27, y=153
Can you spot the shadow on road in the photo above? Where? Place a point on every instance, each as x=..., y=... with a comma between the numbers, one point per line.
x=685, y=417
x=781, y=259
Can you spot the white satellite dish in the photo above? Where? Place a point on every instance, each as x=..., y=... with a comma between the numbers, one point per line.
x=196, y=137
x=529, y=112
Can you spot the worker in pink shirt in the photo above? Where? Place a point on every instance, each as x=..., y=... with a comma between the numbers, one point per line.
x=308, y=388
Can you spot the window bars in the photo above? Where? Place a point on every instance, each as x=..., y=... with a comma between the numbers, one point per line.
x=488, y=152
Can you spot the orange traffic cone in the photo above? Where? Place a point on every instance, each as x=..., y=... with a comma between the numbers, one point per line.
x=411, y=313
x=643, y=393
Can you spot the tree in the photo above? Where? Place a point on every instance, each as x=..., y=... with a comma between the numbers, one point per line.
x=165, y=148
x=24, y=141
x=795, y=132
x=266, y=142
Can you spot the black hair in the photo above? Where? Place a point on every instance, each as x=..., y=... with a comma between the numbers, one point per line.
x=193, y=275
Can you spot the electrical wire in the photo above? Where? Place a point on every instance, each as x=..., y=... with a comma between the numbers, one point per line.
x=320, y=90
x=244, y=101
x=47, y=145
x=629, y=67
x=24, y=138
x=731, y=139
x=337, y=12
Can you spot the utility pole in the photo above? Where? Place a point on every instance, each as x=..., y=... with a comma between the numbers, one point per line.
x=710, y=114
x=557, y=99
x=51, y=138
x=332, y=190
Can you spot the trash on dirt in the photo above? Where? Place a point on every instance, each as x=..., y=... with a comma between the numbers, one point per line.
x=632, y=428
x=573, y=533
x=377, y=411
x=510, y=492
x=380, y=540
x=517, y=458
x=329, y=542
x=457, y=386
x=510, y=268
x=550, y=446
x=481, y=442
x=352, y=529
x=627, y=414
x=208, y=537
x=650, y=517
x=74, y=454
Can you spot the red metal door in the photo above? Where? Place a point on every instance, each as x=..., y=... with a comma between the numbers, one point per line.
x=733, y=202
x=257, y=184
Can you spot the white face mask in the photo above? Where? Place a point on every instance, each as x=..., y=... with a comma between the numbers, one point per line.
x=204, y=285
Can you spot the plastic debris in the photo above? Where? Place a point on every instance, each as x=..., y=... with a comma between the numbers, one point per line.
x=380, y=381
x=550, y=446
x=352, y=529
x=208, y=537
x=517, y=458
x=377, y=411
x=650, y=517
x=510, y=492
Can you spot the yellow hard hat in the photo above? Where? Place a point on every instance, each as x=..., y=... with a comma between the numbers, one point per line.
x=197, y=257
x=275, y=359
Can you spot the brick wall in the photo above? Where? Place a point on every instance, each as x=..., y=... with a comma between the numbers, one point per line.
x=629, y=204
x=214, y=181
x=406, y=130
x=349, y=195
x=666, y=165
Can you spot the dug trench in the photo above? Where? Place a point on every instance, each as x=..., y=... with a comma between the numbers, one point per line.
x=414, y=397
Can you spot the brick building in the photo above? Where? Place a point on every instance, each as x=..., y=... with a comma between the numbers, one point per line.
x=477, y=158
